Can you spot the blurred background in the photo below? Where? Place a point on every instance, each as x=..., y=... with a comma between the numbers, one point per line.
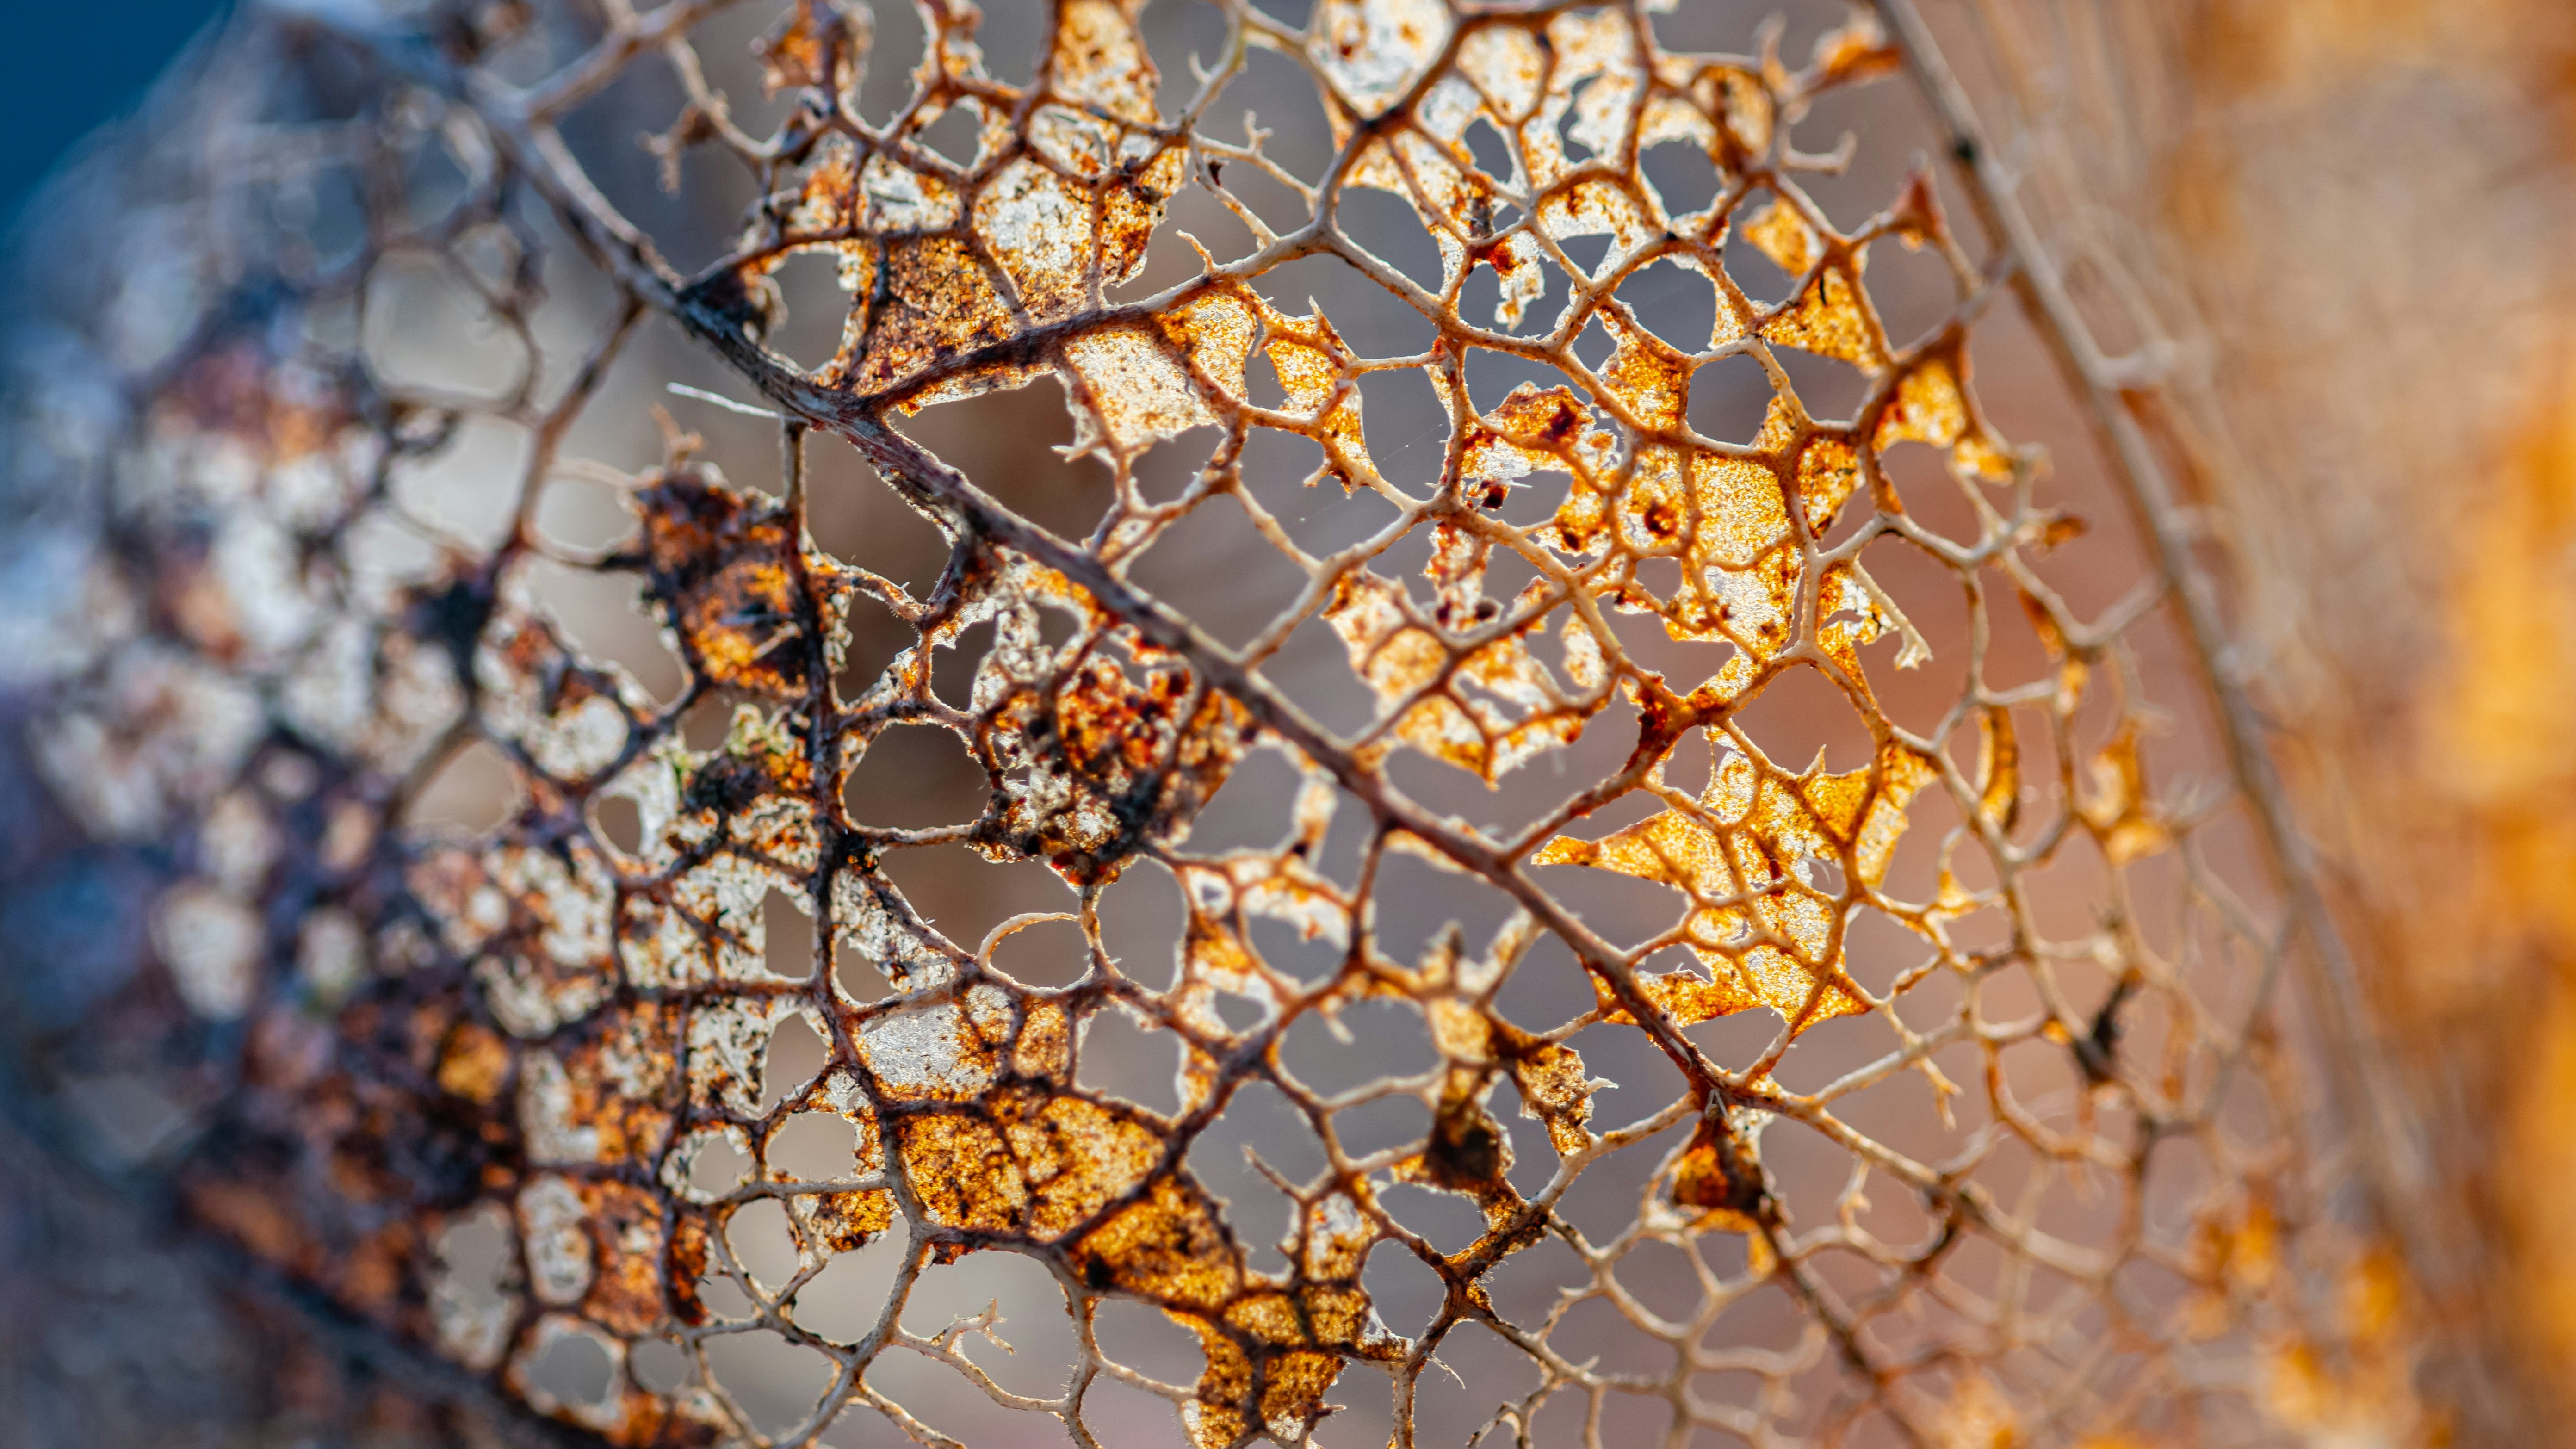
x=2337, y=224
x=69, y=69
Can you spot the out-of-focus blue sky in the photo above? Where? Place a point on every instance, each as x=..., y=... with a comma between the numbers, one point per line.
x=68, y=65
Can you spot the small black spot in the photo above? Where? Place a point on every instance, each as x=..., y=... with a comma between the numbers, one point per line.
x=454, y=617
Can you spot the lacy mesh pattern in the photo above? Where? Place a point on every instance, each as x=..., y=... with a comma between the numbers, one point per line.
x=1972, y=1119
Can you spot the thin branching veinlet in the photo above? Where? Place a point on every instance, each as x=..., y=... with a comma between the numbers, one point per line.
x=2012, y=1157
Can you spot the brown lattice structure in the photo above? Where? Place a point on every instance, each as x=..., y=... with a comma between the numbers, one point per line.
x=1985, y=1122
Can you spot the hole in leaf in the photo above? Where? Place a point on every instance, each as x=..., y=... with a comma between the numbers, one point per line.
x=796, y=1057
x=617, y=820
x=474, y=793
x=956, y=135
x=787, y=938
x=914, y=776
x=575, y=1367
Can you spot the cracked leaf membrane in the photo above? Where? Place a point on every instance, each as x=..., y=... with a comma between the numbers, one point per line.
x=567, y=1038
